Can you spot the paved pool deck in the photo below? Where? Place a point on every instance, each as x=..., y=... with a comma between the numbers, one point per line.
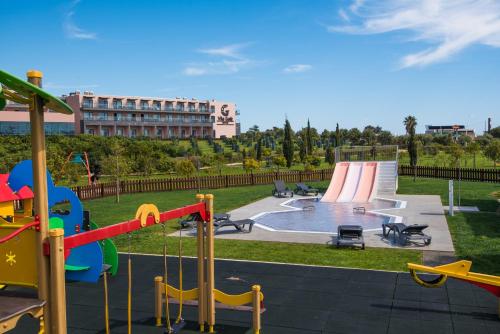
x=420, y=209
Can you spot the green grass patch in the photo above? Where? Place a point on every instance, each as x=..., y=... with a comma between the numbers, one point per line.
x=476, y=237
x=480, y=194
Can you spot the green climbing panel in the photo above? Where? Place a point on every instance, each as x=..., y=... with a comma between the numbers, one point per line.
x=109, y=250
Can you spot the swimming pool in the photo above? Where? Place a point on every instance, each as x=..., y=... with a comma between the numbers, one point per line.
x=309, y=215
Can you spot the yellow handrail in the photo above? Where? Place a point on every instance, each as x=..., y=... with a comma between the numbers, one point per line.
x=186, y=294
x=235, y=300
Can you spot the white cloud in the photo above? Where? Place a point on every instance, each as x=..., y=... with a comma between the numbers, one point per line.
x=297, y=68
x=71, y=30
x=448, y=26
x=343, y=15
x=230, y=51
x=229, y=60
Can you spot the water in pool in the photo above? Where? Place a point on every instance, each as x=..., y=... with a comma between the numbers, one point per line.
x=323, y=217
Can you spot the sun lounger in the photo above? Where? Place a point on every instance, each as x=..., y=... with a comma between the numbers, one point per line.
x=281, y=190
x=190, y=221
x=407, y=233
x=350, y=235
x=304, y=189
x=237, y=224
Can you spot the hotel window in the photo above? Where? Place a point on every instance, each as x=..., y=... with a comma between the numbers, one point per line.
x=212, y=119
x=130, y=104
x=105, y=132
x=87, y=115
x=156, y=117
x=180, y=106
x=117, y=104
x=203, y=107
x=90, y=131
x=88, y=102
x=144, y=105
x=119, y=132
x=169, y=106
x=103, y=116
x=146, y=132
x=212, y=109
x=159, y=132
x=157, y=105
x=103, y=103
x=170, y=118
x=191, y=107
x=133, y=133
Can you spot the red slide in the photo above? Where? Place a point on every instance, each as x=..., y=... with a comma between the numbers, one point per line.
x=366, y=182
x=335, y=187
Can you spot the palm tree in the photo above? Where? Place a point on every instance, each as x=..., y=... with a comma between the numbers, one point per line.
x=410, y=123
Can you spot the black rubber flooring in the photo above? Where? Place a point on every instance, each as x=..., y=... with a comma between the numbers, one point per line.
x=299, y=299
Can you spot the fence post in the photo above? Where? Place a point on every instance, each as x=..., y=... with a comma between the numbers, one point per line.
x=102, y=189
x=140, y=185
x=79, y=192
x=227, y=181
x=252, y=178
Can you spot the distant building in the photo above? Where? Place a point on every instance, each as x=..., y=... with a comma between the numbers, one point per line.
x=449, y=129
x=136, y=116
x=15, y=120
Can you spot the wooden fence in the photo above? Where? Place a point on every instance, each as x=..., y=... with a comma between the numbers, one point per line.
x=225, y=181
x=202, y=182
x=466, y=174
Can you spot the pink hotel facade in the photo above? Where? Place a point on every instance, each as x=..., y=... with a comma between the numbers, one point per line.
x=131, y=116
x=135, y=116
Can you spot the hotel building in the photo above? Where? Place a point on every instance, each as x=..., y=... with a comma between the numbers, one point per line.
x=130, y=116
x=135, y=116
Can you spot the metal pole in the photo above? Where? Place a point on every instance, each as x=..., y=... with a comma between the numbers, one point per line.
x=40, y=189
x=450, y=197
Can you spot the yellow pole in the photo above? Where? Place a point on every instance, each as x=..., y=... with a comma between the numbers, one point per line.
x=256, y=309
x=210, y=265
x=57, y=283
x=41, y=198
x=158, y=299
x=201, y=269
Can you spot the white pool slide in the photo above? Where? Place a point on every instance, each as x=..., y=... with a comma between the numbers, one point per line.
x=351, y=182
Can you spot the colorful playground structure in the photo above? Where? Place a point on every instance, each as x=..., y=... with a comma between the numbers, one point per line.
x=44, y=245
x=459, y=270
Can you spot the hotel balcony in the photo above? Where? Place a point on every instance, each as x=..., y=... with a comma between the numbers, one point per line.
x=86, y=106
x=148, y=121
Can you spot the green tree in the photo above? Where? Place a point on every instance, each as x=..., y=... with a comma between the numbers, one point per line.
x=473, y=149
x=492, y=151
x=308, y=139
x=279, y=161
x=117, y=165
x=338, y=138
x=288, y=144
x=185, y=167
x=259, y=149
x=410, y=123
x=456, y=153
x=250, y=165
x=329, y=156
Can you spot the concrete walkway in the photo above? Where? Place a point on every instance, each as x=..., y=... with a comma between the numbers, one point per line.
x=420, y=209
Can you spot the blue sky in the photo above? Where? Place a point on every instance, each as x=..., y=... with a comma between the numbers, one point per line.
x=353, y=62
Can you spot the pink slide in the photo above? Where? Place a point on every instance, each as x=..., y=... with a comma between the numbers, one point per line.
x=351, y=182
x=337, y=182
x=366, y=183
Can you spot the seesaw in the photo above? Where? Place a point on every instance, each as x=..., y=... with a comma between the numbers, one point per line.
x=459, y=270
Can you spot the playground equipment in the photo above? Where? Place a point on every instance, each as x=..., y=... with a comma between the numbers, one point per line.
x=79, y=158
x=459, y=270
x=42, y=235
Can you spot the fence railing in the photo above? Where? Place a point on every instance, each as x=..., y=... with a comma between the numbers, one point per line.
x=466, y=174
x=225, y=181
x=202, y=182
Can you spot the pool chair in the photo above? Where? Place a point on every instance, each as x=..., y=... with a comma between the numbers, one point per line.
x=281, y=190
x=190, y=221
x=350, y=235
x=304, y=189
x=239, y=225
x=407, y=233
